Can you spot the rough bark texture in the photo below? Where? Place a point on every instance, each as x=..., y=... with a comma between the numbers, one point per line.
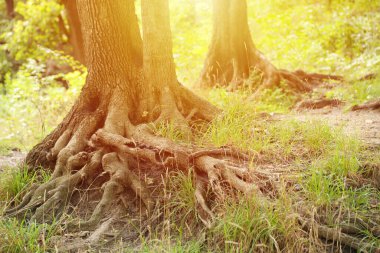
x=232, y=55
x=106, y=130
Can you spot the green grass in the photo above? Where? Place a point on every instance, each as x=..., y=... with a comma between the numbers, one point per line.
x=18, y=236
x=356, y=92
x=14, y=181
x=328, y=157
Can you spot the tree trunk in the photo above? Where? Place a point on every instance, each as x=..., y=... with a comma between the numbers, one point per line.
x=10, y=8
x=113, y=55
x=124, y=90
x=232, y=55
x=75, y=32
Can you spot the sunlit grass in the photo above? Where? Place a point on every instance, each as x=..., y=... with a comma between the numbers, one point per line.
x=356, y=92
x=20, y=236
x=15, y=181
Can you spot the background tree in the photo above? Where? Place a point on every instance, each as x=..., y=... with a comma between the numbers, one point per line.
x=232, y=55
x=10, y=8
x=75, y=32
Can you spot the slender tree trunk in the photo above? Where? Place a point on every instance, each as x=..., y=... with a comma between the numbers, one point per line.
x=159, y=69
x=10, y=8
x=75, y=32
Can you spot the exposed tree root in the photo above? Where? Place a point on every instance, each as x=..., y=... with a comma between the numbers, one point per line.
x=114, y=152
x=213, y=168
x=339, y=235
x=371, y=105
x=297, y=81
x=317, y=104
x=348, y=229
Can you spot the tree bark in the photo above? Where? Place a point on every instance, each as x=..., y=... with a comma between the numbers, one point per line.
x=124, y=90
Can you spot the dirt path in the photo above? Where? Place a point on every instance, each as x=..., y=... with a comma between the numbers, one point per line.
x=364, y=123
x=12, y=159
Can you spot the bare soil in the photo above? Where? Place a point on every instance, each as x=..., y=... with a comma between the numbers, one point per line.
x=12, y=159
x=365, y=124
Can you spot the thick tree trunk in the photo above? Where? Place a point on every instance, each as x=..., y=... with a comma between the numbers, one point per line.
x=75, y=32
x=114, y=59
x=232, y=55
x=119, y=97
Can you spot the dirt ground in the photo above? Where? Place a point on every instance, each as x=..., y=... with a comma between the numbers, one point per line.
x=363, y=123
x=12, y=159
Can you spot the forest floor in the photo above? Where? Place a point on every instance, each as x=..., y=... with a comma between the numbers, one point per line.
x=365, y=124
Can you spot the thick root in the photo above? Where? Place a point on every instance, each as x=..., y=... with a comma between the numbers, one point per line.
x=318, y=104
x=372, y=105
x=47, y=201
x=77, y=143
x=338, y=235
x=213, y=167
x=25, y=200
x=120, y=178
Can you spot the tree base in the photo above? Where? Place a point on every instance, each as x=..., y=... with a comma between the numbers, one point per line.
x=118, y=163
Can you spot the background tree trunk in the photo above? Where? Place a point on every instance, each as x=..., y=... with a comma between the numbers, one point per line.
x=10, y=8
x=232, y=55
x=75, y=32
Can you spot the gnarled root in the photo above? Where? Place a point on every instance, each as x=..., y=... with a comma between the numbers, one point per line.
x=317, y=104
x=120, y=178
x=216, y=170
x=212, y=167
x=51, y=197
x=339, y=235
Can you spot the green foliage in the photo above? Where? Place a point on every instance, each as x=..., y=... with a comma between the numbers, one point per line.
x=356, y=92
x=14, y=182
x=34, y=105
x=311, y=36
x=307, y=34
x=35, y=32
